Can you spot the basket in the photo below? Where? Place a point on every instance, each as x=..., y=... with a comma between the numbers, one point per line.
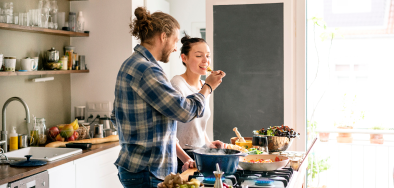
x=82, y=132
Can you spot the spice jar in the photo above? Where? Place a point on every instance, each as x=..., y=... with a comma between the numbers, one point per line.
x=295, y=163
x=64, y=61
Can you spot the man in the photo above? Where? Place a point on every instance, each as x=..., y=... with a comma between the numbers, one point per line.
x=146, y=106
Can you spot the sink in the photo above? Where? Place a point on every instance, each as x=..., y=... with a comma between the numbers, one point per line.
x=43, y=153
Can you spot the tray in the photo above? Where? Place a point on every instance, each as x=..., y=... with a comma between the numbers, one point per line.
x=79, y=145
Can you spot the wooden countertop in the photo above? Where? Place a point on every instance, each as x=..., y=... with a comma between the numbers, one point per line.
x=9, y=174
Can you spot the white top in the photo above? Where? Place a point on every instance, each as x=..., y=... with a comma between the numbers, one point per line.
x=193, y=132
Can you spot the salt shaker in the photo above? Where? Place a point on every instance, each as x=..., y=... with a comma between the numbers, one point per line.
x=218, y=177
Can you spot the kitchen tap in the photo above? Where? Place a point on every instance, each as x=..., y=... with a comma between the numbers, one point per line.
x=4, y=130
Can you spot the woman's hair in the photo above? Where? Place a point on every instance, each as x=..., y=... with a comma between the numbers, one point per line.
x=187, y=44
x=147, y=25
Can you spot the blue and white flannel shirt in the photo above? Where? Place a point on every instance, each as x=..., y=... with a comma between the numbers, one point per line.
x=146, y=109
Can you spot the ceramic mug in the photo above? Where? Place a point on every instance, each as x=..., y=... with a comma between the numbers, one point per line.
x=35, y=63
x=9, y=64
x=27, y=64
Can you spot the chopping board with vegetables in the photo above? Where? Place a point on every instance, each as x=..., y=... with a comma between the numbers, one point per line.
x=178, y=181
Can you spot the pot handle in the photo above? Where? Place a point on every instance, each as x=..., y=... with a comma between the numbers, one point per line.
x=241, y=154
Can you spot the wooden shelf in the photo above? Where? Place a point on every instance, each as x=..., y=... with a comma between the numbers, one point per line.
x=41, y=72
x=41, y=30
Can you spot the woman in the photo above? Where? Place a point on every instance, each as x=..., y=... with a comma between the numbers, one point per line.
x=195, y=56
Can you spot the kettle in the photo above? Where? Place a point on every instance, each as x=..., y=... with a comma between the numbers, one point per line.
x=52, y=55
x=107, y=124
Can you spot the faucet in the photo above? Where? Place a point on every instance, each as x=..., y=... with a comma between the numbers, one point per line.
x=4, y=130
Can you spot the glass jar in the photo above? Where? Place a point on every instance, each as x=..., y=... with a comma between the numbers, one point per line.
x=42, y=136
x=69, y=54
x=72, y=18
x=33, y=137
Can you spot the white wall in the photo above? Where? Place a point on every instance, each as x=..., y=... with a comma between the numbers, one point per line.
x=109, y=44
x=163, y=6
x=190, y=14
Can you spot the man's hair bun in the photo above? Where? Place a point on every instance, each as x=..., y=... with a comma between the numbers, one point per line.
x=145, y=25
x=141, y=14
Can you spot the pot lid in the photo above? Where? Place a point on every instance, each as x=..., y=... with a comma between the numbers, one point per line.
x=29, y=162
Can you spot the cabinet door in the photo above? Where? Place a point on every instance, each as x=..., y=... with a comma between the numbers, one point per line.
x=62, y=176
x=98, y=170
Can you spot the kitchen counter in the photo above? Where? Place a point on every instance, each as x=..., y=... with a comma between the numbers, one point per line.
x=9, y=174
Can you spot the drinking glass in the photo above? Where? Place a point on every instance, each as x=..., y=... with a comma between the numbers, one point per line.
x=20, y=18
x=16, y=19
x=46, y=8
x=54, y=9
x=25, y=19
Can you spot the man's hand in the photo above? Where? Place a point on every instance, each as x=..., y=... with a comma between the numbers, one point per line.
x=188, y=164
x=218, y=145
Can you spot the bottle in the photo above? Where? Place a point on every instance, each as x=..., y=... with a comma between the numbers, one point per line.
x=69, y=54
x=13, y=140
x=42, y=137
x=33, y=140
x=64, y=61
x=80, y=22
x=72, y=21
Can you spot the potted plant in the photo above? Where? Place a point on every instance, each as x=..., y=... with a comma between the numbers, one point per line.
x=314, y=169
x=344, y=137
x=376, y=138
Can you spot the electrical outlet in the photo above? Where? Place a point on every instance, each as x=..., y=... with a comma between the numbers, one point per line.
x=103, y=109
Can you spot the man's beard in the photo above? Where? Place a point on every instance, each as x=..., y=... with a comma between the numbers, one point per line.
x=165, y=53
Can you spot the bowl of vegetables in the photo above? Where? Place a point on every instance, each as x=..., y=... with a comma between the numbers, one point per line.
x=279, y=138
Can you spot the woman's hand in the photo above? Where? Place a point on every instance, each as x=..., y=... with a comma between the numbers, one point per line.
x=215, y=78
x=217, y=145
x=188, y=164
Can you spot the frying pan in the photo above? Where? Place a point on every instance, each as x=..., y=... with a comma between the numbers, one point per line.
x=262, y=166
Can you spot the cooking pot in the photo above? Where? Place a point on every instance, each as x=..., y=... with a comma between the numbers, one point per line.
x=109, y=132
x=227, y=159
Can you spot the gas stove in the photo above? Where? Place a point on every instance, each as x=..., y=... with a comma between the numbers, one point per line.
x=252, y=179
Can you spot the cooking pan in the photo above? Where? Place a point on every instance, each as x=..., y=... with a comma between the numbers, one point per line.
x=244, y=164
x=227, y=159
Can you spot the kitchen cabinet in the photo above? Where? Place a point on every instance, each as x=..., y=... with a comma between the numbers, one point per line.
x=98, y=170
x=62, y=176
x=3, y=186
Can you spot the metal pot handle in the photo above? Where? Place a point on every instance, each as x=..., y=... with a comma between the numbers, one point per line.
x=241, y=154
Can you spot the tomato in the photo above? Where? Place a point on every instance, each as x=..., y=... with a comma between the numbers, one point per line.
x=277, y=159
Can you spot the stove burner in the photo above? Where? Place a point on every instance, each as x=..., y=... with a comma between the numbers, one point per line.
x=277, y=178
x=210, y=180
x=264, y=182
